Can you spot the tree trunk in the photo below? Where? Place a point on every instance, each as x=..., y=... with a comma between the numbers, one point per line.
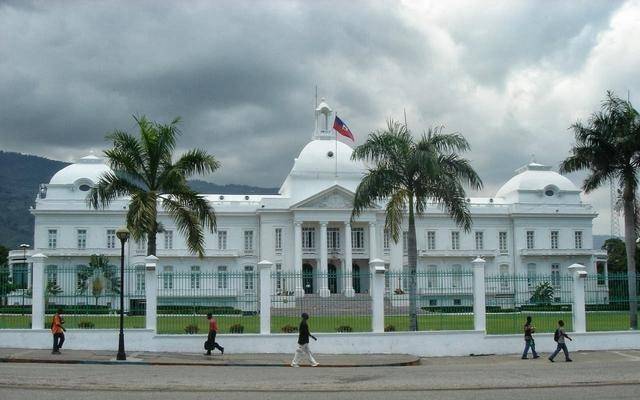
x=630, y=243
x=153, y=232
x=412, y=256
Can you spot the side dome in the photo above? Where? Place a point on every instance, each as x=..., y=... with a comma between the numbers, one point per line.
x=323, y=156
x=87, y=170
x=536, y=181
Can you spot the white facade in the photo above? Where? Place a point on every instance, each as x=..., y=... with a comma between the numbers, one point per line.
x=535, y=222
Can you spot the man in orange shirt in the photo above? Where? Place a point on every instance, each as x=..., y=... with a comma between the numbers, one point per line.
x=58, y=331
x=211, y=339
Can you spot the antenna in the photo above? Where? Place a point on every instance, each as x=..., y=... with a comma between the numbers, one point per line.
x=405, y=118
x=316, y=97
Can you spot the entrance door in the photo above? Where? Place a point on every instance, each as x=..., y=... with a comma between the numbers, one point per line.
x=356, y=278
x=332, y=278
x=307, y=278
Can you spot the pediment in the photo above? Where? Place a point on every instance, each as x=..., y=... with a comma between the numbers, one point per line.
x=334, y=198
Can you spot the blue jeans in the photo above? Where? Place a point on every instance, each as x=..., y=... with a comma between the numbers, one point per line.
x=563, y=347
x=529, y=344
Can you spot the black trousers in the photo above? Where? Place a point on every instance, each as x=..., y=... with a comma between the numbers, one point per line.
x=212, y=340
x=58, y=340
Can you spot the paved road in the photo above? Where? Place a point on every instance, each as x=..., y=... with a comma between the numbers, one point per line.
x=601, y=375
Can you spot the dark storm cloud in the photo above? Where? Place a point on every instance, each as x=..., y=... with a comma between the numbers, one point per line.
x=510, y=76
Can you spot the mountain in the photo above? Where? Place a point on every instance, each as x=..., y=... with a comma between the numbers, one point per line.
x=21, y=175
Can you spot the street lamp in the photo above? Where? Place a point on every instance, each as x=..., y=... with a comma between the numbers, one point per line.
x=25, y=270
x=123, y=234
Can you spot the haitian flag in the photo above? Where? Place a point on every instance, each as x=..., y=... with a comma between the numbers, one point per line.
x=342, y=128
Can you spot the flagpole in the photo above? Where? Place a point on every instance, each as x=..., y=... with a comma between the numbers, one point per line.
x=336, y=146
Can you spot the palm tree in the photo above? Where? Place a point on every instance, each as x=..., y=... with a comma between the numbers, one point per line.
x=143, y=168
x=102, y=274
x=608, y=146
x=407, y=174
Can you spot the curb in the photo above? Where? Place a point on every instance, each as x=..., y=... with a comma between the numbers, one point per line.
x=414, y=362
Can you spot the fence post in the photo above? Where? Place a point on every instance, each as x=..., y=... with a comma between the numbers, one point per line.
x=37, y=291
x=264, y=269
x=479, y=301
x=376, y=267
x=578, y=306
x=151, y=292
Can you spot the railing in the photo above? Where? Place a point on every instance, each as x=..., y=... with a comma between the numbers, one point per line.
x=511, y=298
x=342, y=310
x=185, y=298
x=607, y=302
x=444, y=300
x=89, y=297
x=15, y=297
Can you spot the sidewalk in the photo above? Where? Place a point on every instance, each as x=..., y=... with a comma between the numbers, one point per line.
x=191, y=359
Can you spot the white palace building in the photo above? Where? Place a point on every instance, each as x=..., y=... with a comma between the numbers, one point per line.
x=535, y=223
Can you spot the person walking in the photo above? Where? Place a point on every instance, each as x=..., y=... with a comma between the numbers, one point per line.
x=58, y=331
x=529, y=330
x=211, y=339
x=303, y=343
x=559, y=337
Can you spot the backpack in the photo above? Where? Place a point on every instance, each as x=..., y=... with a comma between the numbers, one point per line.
x=207, y=345
x=556, y=335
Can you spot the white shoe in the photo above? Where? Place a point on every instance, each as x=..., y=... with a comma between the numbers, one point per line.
x=315, y=364
x=295, y=365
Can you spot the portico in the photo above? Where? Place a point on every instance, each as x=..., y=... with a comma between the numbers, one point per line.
x=330, y=257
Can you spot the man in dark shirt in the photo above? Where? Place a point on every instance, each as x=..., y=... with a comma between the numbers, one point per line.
x=303, y=343
x=529, y=329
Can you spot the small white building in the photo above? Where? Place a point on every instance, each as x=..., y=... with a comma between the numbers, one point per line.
x=535, y=224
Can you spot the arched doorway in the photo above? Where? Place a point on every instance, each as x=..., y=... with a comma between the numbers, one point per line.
x=332, y=278
x=356, y=278
x=307, y=278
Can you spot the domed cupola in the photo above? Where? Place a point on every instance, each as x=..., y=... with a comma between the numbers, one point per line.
x=537, y=183
x=323, y=162
x=83, y=174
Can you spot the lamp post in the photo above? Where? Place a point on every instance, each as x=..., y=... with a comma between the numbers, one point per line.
x=123, y=234
x=25, y=269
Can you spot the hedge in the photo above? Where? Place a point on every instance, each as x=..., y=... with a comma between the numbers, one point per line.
x=180, y=309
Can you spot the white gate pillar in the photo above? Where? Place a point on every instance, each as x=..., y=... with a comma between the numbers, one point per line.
x=264, y=269
x=479, y=301
x=151, y=292
x=376, y=266
x=37, y=291
x=578, y=307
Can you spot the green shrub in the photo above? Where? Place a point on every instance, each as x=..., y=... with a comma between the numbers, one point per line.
x=289, y=329
x=236, y=328
x=389, y=328
x=448, y=309
x=86, y=324
x=191, y=329
x=344, y=328
x=202, y=310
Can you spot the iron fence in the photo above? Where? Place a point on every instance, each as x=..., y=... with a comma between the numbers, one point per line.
x=15, y=296
x=184, y=299
x=511, y=298
x=89, y=295
x=607, y=302
x=327, y=299
x=443, y=299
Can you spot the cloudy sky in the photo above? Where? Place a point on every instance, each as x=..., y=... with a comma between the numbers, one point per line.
x=509, y=75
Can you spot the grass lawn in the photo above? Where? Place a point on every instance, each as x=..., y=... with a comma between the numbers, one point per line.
x=497, y=323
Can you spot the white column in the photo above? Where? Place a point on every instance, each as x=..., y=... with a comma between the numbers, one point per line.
x=324, y=260
x=479, y=301
x=578, y=307
x=376, y=266
x=348, y=262
x=373, y=244
x=297, y=258
x=264, y=269
x=151, y=292
x=37, y=291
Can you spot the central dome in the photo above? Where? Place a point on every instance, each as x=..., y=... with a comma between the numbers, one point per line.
x=326, y=157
